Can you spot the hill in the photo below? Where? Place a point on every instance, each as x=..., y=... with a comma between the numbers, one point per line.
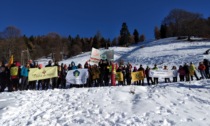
x=165, y=104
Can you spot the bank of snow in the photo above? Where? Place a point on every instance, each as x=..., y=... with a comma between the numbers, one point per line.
x=165, y=104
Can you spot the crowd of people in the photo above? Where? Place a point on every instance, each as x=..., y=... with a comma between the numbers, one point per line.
x=15, y=77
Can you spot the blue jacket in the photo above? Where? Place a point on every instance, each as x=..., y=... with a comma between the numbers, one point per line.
x=24, y=71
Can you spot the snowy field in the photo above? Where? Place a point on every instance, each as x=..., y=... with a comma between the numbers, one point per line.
x=167, y=104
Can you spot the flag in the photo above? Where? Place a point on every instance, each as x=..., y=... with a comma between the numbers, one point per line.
x=119, y=76
x=11, y=60
x=136, y=76
x=78, y=76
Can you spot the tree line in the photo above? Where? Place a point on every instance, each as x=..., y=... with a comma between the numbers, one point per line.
x=58, y=47
x=179, y=23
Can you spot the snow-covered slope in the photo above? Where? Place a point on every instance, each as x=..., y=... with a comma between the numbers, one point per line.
x=166, y=104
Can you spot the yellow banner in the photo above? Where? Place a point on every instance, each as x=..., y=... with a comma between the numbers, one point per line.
x=136, y=76
x=119, y=76
x=44, y=73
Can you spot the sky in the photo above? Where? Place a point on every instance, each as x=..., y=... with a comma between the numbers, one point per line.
x=87, y=17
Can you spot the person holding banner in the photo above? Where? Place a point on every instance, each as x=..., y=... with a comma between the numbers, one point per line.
x=47, y=81
x=24, y=76
x=119, y=75
x=155, y=78
x=167, y=80
x=55, y=79
x=128, y=73
x=135, y=82
x=181, y=72
x=32, y=84
x=141, y=82
x=14, y=75
x=147, y=76
x=40, y=82
x=64, y=71
x=175, y=73
x=73, y=66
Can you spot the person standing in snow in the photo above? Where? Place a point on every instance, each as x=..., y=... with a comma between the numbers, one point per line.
x=40, y=82
x=167, y=80
x=141, y=82
x=181, y=72
x=192, y=70
x=64, y=71
x=4, y=77
x=55, y=79
x=47, y=81
x=187, y=73
x=206, y=63
x=119, y=69
x=32, y=84
x=147, y=76
x=155, y=78
x=202, y=69
x=128, y=73
x=86, y=65
x=24, y=76
x=104, y=72
x=14, y=75
x=73, y=66
x=95, y=76
x=175, y=73
x=135, y=70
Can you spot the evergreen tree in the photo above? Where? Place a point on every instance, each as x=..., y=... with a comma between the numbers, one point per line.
x=157, y=33
x=163, y=31
x=142, y=38
x=114, y=42
x=124, y=39
x=136, y=36
x=96, y=43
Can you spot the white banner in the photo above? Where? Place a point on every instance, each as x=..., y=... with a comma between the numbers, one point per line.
x=78, y=76
x=97, y=55
x=163, y=73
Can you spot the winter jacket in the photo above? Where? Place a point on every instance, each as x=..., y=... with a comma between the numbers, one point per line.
x=95, y=73
x=192, y=69
x=14, y=72
x=147, y=72
x=181, y=71
x=201, y=67
x=24, y=71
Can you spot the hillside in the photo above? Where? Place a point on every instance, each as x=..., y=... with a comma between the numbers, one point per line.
x=165, y=104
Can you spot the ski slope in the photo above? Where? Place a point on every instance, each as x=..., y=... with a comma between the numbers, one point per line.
x=166, y=104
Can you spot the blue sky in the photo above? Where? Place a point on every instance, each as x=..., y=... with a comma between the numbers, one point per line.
x=87, y=17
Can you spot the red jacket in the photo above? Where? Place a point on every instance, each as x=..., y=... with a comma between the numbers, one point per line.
x=201, y=67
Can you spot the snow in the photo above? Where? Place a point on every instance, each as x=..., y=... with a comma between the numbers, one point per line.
x=165, y=104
